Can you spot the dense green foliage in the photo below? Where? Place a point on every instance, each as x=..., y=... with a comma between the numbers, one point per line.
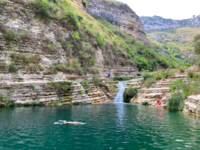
x=176, y=101
x=197, y=48
x=85, y=4
x=191, y=86
x=12, y=67
x=175, y=42
x=62, y=88
x=143, y=56
x=129, y=94
x=86, y=84
x=96, y=81
x=150, y=77
x=86, y=36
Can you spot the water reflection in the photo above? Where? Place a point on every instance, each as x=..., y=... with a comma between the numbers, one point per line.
x=110, y=126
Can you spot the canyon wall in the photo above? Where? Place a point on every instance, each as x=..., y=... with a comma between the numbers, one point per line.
x=160, y=23
x=120, y=15
x=26, y=61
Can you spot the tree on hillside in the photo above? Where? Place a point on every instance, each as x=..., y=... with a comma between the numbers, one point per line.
x=197, y=44
x=197, y=48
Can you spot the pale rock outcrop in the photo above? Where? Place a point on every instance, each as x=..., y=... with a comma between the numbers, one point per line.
x=192, y=104
x=160, y=23
x=121, y=16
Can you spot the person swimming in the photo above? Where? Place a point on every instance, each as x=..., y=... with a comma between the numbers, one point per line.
x=65, y=122
x=68, y=122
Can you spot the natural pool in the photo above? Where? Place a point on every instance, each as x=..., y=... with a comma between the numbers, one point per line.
x=110, y=126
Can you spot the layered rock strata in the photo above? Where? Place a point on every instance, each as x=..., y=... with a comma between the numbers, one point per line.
x=121, y=16
x=33, y=62
x=158, y=91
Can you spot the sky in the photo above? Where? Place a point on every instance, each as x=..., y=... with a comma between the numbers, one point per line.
x=173, y=9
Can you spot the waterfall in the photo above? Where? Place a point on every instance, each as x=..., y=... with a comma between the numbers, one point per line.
x=119, y=98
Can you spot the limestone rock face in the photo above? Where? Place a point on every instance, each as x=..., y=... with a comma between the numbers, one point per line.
x=122, y=17
x=159, y=23
x=35, y=63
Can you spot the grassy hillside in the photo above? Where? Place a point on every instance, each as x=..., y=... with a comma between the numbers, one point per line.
x=177, y=41
x=87, y=35
x=145, y=56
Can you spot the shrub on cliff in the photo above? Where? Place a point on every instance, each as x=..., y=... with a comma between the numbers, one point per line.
x=9, y=36
x=146, y=75
x=129, y=94
x=192, y=74
x=42, y=9
x=12, y=68
x=96, y=81
x=175, y=101
x=62, y=88
x=86, y=84
x=85, y=4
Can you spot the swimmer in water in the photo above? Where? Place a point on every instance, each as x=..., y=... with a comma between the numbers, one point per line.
x=65, y=122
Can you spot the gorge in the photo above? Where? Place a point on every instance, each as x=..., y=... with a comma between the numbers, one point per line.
x=80, y=61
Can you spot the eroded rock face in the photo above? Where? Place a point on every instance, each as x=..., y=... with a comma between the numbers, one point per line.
x=30, y=84
x=160, y=23
x=122, y=17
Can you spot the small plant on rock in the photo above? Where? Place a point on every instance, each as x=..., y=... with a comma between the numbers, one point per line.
x=12, y=68
x=80, y=91
x=42, y=9
x=9, y=36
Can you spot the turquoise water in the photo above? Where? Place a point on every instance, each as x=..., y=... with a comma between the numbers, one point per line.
x=110, y=126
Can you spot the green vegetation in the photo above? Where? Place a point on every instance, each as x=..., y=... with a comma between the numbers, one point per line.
x=181, y=70
x=150, y=77
x=96, y=81
x=191, y=86
x=62, y=88
x=129, y=94
x=176, y=101
x=123, y=78
x=85, y=4
x=12, y=67
x=144, y=57
x=176, y=42
x=28, y=62
x=86, y=35
x=197, y=48
x=192, y=74
x=145, y=103
x=33, y=87
x=80, y=91
x=42, y=9
x=10, y=36
x=86, y=84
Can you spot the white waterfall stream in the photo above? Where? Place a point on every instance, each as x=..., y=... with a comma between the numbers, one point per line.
x=119, y=97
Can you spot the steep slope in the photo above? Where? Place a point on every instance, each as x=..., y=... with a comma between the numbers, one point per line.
x=146, y=57
x=177, y=42
x=120, y=15
x=159, y=23
x=49, y=47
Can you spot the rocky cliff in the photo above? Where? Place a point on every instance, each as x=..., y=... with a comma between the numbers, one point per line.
x=120, y=15
x=38, y=66
x=160, y=23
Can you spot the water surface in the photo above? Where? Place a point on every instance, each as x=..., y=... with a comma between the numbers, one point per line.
x=110, y=126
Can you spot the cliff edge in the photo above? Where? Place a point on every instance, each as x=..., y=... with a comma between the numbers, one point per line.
x=120, y=15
